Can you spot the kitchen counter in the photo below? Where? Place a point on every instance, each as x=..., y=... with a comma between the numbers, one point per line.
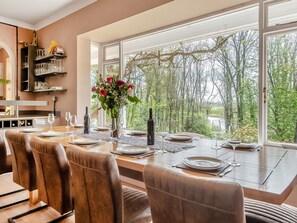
x=7, y=117
x=38, y=120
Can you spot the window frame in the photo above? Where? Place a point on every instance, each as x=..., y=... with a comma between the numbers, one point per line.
x=264, y=32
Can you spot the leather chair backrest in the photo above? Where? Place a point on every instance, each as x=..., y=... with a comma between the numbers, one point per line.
x=5, y=161
x=23, y=165
x=97, y=187
x=53, y=174
x=176, y=197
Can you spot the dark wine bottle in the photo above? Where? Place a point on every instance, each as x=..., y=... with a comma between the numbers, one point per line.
x=87, y=122
x=150, y=129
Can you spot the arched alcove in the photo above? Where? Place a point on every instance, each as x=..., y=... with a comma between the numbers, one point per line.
x=9, y=72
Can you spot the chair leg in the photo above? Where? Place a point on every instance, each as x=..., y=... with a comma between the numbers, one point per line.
x=11, y=219
x=66, y=215
x=14, y=203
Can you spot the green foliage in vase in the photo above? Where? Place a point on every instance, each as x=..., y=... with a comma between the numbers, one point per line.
x=113, y=93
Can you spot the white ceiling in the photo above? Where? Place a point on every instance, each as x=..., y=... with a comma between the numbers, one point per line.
x=35, y=14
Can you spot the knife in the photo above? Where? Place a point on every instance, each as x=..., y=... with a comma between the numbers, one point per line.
x=145, y=155
x=225, y=172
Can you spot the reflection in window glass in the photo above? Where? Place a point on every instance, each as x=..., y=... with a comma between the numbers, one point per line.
x=111, y=52
x=282, y=87
x=193, y=86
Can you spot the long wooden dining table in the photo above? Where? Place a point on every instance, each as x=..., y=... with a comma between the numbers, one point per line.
x=268, y=174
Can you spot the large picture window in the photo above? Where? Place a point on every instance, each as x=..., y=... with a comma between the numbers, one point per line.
x=191, y=85
x=221, y=74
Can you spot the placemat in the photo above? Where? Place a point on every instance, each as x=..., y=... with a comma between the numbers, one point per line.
x=211, y=172
x=138, y=156
x=172, y=147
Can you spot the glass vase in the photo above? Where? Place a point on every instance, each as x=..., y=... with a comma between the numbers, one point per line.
x=114, y=127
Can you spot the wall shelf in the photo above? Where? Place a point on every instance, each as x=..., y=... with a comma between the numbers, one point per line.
x=50, y=74
x=27, y=72
x=49, y=57
x=35, y=70
x=49, y=90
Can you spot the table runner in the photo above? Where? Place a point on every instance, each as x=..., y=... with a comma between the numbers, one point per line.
x=172, y=147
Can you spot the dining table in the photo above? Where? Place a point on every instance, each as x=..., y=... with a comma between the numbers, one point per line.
x=266, y=173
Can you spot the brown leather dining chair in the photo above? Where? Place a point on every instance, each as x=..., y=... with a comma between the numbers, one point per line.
x=5, y=160
x=201, y=200
x=6, y=167
x=98, y=193
x=53, y=176
x=178, y=198
x=263, y=212
x=23, y=165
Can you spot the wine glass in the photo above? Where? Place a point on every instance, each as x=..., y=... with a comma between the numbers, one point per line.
x=216, y=130
x=234, y=143
x=73, y=122
x=51, y=120
x=163, y=135
x=67, y=118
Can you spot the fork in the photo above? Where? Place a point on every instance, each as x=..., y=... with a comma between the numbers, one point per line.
x=226, y=171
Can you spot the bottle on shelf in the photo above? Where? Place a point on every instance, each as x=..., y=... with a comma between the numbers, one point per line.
x=150, y=129
x=87, y=122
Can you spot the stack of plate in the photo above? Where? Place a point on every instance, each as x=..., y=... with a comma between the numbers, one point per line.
x=203, y=163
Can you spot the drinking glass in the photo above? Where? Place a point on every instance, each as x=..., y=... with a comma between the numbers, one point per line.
x=163, y=135
x=216, y=130
x=67, y=118
x=234, y=143
x=73, y=122
x=51, y=120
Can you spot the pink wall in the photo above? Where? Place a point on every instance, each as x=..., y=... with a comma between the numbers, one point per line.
x=65, y=31
x=3, y=57
x=8, y=37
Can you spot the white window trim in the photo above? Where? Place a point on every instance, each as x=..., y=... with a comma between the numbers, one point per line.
x=264, y=32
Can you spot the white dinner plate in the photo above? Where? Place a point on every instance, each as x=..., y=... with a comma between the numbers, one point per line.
x=177, y=137
x=79, y=126
x=31, y=130
x=84, y=141
x=133, y=150
x=245, y=145
x=51, y=134
x=101, y=128
x=203, y=163
x=137, y=133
